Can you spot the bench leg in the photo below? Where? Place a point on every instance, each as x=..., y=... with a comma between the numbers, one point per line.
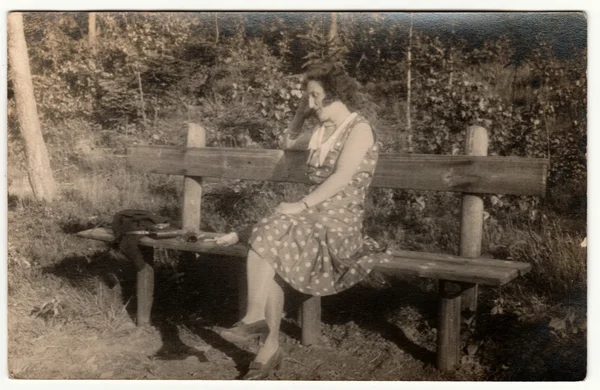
x=468, y=310
x=448, y=334
x=145, y=288
x=242, y=287
x=310, y=314
x=469, y=298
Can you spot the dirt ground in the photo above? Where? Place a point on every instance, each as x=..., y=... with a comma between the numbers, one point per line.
x=368, y=334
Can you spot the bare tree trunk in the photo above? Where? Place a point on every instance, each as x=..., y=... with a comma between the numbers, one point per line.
x=451, y=60
x=142, y=102
x=451, y=65
x=408, y=76
x=38, y=165
x=92, y=29
x=216, y=28
x=333, y=31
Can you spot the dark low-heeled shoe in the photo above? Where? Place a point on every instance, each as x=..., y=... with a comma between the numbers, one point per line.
x=259, y=371
x=241, y=332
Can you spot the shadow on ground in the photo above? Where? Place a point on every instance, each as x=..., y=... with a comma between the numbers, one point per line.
x=516, y=350
x=201, y=295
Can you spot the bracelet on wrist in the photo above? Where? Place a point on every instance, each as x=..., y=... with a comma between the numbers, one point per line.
x=294, y=133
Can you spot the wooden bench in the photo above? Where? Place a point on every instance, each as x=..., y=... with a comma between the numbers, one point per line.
x=458, y=276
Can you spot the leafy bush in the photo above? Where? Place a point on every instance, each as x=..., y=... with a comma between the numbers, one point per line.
x=252, y=100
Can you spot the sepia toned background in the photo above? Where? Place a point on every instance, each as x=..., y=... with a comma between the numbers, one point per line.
x=102, y=80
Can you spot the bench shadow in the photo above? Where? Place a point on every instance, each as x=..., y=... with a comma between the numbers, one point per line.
x=76, y=226
x=205, y=297
x=374, y=307
x=532, y=350
x=177, y=301
x=107, y=266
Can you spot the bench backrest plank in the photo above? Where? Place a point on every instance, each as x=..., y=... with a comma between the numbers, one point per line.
x=470, y=174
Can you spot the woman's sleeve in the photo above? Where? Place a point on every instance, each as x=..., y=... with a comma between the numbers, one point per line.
x=299, y=143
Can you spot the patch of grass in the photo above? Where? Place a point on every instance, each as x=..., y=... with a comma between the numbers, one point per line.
x=559, y=262
x=106, y=192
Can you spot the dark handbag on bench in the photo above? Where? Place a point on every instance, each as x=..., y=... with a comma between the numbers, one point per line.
x=129, y=226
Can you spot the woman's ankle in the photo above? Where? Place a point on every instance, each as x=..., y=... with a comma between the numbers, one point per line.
x=250, y=319
x=271, y=342
x=267, y=350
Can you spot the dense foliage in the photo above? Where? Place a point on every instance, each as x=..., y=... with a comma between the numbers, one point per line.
x=239, y=75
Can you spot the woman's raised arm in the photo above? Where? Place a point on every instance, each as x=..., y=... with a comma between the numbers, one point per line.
x=294, y=137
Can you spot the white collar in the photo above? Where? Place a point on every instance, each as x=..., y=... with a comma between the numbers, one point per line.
x=316, y=144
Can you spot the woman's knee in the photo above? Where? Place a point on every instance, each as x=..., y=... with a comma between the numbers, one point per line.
x=256, y=261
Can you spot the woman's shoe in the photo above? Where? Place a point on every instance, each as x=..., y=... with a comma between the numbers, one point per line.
x=259, y=371
x=241, y=332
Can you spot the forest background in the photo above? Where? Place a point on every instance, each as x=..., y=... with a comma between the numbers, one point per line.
x=140, y=77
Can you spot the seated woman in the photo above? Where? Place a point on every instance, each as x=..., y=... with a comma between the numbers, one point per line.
x=315, y=245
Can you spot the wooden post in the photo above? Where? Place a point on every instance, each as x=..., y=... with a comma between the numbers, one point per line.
x=448, y=334
x=145, y=288
x=192, y=185
x=310, y=312
x=454, y=297
x=471, y=224
x=242, y=291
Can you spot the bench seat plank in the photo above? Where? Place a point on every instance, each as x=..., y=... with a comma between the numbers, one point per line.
x=238, y=250
x=431, y=265
x=488, y=262
x=468, y=272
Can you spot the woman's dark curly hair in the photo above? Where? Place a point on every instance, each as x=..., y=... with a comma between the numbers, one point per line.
x=336, y=83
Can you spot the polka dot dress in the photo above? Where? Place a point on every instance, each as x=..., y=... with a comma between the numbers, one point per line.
x=322, y=250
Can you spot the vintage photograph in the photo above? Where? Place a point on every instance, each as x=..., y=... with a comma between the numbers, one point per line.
x=329, y=196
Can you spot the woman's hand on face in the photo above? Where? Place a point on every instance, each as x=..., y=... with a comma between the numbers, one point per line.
x=304, y=108
x=290, y=208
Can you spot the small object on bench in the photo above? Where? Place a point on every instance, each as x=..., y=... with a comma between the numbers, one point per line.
x=458, y=276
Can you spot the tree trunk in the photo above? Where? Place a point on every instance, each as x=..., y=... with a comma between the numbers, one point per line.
x=38, y=164
x=92, y=29
x=142, y=102
x=216, y=28
x=333, y=28
x=408, y=77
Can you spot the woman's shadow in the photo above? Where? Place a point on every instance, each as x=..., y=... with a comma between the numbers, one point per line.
x=201, y=302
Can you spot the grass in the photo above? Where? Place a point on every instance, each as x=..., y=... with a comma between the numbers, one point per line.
x=64, y=291
x=558, y=259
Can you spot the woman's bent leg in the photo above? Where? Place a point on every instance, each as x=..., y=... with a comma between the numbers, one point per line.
x=260, y=276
